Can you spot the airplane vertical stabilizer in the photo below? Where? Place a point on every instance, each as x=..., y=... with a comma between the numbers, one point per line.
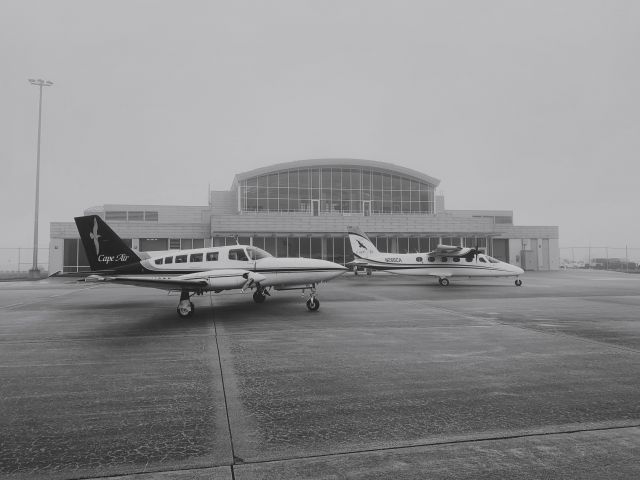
x=361, y=244
x=105, y=249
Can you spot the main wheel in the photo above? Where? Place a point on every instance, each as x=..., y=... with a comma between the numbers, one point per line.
x=518, y=283
x=443, y=281
x=258, y=296
x=184, y=311
x=313, y=304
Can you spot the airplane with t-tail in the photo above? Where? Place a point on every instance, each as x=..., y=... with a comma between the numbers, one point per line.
x=444, y=262
x=199, y=270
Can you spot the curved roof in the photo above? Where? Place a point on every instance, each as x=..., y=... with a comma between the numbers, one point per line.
x=339, y=163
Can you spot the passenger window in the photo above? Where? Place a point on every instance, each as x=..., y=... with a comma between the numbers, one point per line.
x=181, y=259
x=238, y=254
x=168, y=260
x=456, y=259
x=444, y=259
x=483, y=260
x=159, y=261
x=195, y=257
x=419, y=259
x=469, y=259
x=212, y=256
x=432, y=259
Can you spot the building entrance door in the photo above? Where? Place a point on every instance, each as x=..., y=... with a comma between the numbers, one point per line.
x=315, y=205
x=366, y=208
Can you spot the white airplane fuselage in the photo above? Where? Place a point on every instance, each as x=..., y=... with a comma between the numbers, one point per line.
x=421, y=264
x=224, y=262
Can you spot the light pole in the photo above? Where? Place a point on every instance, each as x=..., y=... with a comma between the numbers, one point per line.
x=35, y=271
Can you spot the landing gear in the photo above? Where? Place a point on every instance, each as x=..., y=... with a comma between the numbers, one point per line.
x=185, y=308
x=518, y=282
x=443, y=281
x=260, y=295
x=313, y=303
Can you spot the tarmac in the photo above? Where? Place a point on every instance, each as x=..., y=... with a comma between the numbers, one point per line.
x=393, y=377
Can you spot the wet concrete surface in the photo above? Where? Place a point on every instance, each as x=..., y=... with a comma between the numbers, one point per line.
x=394, y=377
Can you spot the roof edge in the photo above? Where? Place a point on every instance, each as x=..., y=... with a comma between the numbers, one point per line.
x=337, y=162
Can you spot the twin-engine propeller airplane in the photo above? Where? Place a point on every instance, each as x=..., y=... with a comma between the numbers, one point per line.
x=198, y=270
x=443, y=262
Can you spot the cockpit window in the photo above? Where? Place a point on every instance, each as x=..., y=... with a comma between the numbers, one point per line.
x=492, y=260
x=256, y=253
x=238, y=254
x=482, y=260
x=168, y=260
x=159, y=261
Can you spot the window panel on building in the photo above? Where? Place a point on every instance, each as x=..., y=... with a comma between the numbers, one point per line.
x=281, y=246
x=270, y=245
x=186, y=243
x=316, y=247
x=152, y=244
x=135, y=216
x=151, y=216
x=305, y=247
x=70, y=255
x=117, y=216
x=198, y=243
x=293, y=247
x=329, y=246
x=338, y=251
x=414, y=245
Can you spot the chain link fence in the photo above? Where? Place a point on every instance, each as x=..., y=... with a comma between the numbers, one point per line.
x=18, y=261
x=621, y=259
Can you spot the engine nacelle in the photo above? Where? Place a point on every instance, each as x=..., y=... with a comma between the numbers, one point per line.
x=230, y=281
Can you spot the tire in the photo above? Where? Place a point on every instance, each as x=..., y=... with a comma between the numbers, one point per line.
x=443, y=281
x=518, y=283
x=185, y=315
x=258, y=297
x=313, y=304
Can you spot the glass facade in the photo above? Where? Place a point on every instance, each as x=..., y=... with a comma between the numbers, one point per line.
x=336, y=190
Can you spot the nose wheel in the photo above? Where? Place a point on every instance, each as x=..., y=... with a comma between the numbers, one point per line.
x=443, y=281
x=518, y=283
x=313, y=303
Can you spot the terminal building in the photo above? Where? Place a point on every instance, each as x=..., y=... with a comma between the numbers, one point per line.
x=303, y=208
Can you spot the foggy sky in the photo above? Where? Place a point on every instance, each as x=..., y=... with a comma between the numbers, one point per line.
x=530, y=106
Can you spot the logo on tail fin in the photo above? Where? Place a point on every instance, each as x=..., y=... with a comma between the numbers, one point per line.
x=360, y=244
x=95, y=236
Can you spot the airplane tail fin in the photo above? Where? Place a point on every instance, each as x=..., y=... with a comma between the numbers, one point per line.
x=105, y=249
x=361, y=245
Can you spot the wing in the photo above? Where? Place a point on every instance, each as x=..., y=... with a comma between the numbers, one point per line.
x=210, y=280
x=163, y=283
x=452, y=251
